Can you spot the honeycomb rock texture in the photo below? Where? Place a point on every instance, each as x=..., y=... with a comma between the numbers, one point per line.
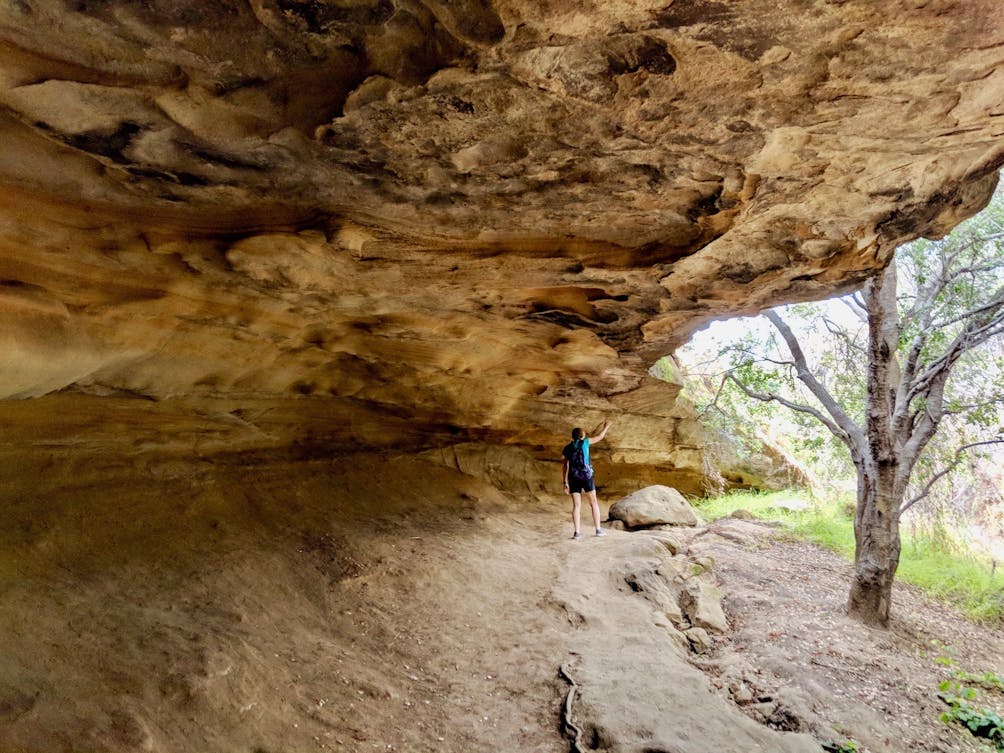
x=244, y=224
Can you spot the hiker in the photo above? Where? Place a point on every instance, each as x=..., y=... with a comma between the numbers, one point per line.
x=577, y=474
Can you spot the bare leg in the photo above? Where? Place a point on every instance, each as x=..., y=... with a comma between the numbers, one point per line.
x=595, y=505
x=576, y=509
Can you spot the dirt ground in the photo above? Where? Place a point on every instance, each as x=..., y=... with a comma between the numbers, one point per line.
x=379, y=605
x=823, y=671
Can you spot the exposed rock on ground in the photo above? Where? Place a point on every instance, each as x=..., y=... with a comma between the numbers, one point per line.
x=638, y=692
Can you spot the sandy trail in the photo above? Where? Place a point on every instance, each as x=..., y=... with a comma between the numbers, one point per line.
x=391, y=606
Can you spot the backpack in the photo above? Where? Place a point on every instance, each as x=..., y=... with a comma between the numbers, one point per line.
x=577, y=467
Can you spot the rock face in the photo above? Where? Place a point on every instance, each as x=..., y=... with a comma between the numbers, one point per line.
x=652, y=506
x=423, y=223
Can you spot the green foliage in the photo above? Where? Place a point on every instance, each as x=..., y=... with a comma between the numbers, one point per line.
x=953, y=575
x=765, y=505
x=960, y=695
x=847, y=746
x=828, y=527
x=957, y=577
x=980, y=721
x=987, y=680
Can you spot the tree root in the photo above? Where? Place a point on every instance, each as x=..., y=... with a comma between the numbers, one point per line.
x=569, y=728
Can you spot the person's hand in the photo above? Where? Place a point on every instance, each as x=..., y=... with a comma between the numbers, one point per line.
x=566, y=486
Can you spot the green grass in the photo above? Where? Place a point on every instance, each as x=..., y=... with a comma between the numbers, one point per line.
x=952, y=576
x=957, y=578
x=767, y=505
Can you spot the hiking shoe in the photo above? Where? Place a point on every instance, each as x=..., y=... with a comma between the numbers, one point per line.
x=600, y=532
x=576, y=536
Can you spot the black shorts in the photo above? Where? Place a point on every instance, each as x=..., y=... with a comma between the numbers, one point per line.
x=578, y=485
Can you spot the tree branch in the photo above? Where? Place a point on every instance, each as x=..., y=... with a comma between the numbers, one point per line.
x=847, y=428
x=946, y=470
x=766, y=397
x=848, y=339
x=925, y=423
x=857, y=306
x=985, y=321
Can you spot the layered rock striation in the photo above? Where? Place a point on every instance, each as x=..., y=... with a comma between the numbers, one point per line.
x=232, y=226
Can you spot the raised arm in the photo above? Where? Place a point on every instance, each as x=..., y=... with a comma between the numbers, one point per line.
x=600, y=432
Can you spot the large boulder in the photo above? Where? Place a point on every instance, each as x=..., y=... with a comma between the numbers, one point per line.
x=652, y=506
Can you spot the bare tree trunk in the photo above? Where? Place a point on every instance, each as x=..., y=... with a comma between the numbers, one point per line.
x=876, y=556
x=876, y=520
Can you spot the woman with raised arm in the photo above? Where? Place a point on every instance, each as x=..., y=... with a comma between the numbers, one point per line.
x=577, y=474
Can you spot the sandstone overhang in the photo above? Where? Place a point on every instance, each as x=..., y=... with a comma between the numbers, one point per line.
x=237, y=225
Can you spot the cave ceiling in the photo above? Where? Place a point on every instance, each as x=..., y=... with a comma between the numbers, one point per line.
x=456, y=218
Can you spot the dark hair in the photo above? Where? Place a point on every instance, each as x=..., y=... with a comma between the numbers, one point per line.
x=576, y=433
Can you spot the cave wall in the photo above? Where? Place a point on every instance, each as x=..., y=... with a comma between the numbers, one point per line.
x=228, y=228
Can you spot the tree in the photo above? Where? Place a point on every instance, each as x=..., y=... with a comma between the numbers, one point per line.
x=950, y=302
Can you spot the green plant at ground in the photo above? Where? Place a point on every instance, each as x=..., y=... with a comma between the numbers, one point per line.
x=952, y=574
x=847, y=746
x=955, y=577
x=959, y=695
x=782, y=506
x=981, y=722
x=987, y=680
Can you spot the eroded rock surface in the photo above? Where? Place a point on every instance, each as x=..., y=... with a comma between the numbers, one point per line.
x=639, y=692
x=414, y=224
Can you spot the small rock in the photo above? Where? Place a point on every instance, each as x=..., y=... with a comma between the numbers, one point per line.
x=764, y=710
x=702, y=603
x=667, y=539
x=741, y=514
x=655, y=588
x=679, y=638
x=701, y=565
x=742, y=694
x=616, y=525
x=699, y=639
